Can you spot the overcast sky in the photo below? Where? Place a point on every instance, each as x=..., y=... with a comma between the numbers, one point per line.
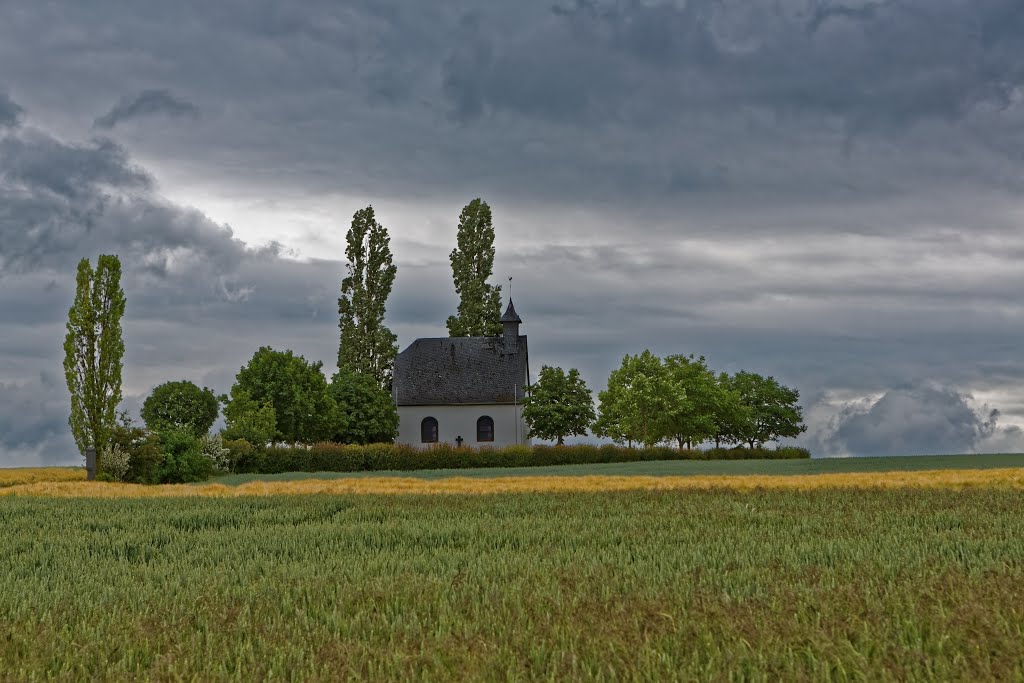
x=826, y=191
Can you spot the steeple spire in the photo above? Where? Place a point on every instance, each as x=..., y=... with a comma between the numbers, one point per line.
x=510, y=325
x=510, y=314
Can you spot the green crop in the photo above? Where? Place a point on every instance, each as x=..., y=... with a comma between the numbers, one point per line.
x=763, y=585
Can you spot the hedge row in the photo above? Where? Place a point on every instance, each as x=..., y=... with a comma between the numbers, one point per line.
x=331, y=457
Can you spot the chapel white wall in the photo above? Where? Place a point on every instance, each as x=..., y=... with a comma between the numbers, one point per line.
x=453, y=421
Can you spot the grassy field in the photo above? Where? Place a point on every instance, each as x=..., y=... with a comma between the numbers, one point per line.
x=681, y=468
x=16, y=476
x=903, y=568
x=946, y=479
x=643, y=585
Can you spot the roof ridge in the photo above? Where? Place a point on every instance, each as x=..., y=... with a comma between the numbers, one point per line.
x=454, y=370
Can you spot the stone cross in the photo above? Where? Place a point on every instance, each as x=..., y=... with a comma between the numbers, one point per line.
x=459, y=440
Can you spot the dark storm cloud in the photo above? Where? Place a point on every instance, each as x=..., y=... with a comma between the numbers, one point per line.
x=822, y=190
x=918, y=420
x=872, y=65
x=52, y=193
x=657, y=101
x=10, y=112
x=199, y=300
x=62, y=202
x=36, y=160
x=148, y=103
x=30, y=414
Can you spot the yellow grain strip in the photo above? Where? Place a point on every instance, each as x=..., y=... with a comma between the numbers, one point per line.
x=31, y=475
x=953, y=479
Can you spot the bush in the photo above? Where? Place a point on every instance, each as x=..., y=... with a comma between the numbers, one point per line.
x=238, y=451
x=143, y=449
x=212, y=448
x=744, y=453
x=333, y=457
x=115, y=462
x=183, y=459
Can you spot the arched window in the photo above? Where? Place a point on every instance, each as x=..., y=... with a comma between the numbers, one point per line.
x=428, y=430
x=485, y=429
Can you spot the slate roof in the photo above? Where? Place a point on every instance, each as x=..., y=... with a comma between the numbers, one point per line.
x=453, y=370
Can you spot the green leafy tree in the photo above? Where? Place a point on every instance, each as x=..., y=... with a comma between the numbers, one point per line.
x=732, y=416
x=181, y=405
x=773, y=409
x=367, y=346
x=368, y=413
x=247, y=419
x=297, y=389
x=472, y=264
x=559, y=405
x=93, y=349
x=693, y=420
x=640, y=398
x=614, y=409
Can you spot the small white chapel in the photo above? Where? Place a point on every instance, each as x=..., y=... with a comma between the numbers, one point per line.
x=464, y=390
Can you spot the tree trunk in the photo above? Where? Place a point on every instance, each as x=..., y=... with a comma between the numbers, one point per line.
x=681, y=442
x=561, y=440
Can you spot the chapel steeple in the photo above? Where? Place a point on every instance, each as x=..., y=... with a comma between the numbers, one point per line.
x=510, y=325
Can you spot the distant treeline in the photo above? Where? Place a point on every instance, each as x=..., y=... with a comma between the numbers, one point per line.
x=678, y=400
x=279, y=397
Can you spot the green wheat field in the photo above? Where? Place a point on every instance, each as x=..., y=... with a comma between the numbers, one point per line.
x=904, y=584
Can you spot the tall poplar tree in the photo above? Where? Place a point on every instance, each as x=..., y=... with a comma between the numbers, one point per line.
x=472, y=263
x=93, y=349
x=367, y=346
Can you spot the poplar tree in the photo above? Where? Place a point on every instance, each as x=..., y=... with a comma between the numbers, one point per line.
x=93, y=349
x=367, y=346
x=472, y=263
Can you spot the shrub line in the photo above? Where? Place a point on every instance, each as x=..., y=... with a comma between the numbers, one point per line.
x=333, y=457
